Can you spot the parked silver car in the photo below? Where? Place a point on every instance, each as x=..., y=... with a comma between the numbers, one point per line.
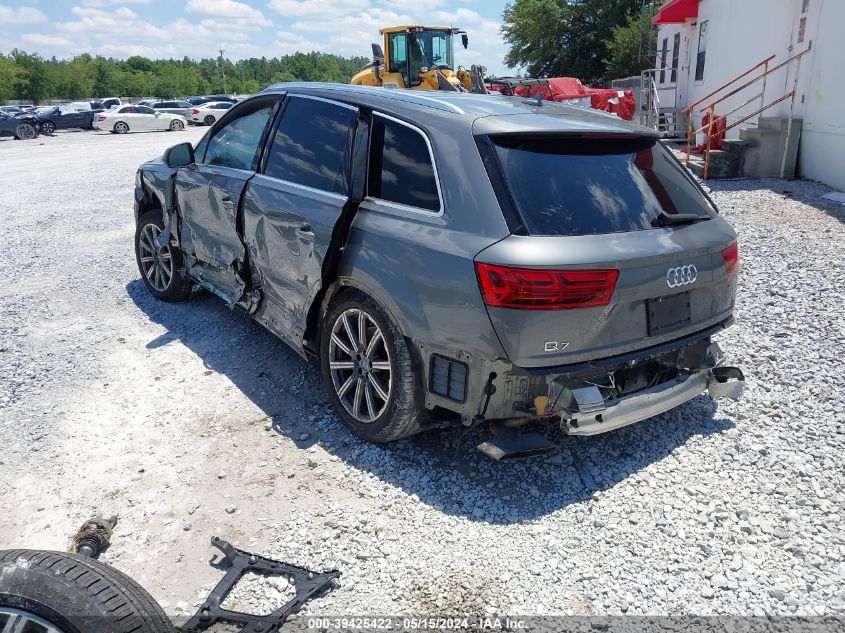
x=182, y=108
x=452, y=259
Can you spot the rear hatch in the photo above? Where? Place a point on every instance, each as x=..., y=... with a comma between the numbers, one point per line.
x=615, y=248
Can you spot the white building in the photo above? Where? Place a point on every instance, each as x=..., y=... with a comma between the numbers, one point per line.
x=704, y=44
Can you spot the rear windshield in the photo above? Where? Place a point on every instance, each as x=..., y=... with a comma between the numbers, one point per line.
x=583, y=185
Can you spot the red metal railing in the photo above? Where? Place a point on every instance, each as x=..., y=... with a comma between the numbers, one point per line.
x=711, y=108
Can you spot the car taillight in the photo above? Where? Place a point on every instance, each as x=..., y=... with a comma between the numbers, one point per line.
x=100, y=119
x=195, y=111
x=731, y=257
x=544, y=289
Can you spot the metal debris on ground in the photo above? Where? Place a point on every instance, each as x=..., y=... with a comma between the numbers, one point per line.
x=307, y=584
x=93, y=537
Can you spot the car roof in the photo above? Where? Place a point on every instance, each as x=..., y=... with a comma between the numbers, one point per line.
x=487, y=114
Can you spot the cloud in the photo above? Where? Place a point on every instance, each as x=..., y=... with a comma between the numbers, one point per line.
x=287, y=43
x=106, y=3
x=20, y=15
x=226, y=9
x=48, y=41
x=318, y=8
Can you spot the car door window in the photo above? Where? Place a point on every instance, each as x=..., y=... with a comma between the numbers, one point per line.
x=311, y=144
x=146, y=110
x=129, y=110
x=237, y=143
x=401, y=167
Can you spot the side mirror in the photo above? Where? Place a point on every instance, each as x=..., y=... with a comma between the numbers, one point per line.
x=181, y=155
x=465, y=40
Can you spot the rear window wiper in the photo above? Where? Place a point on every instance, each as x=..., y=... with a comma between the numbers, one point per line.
x=673, y=219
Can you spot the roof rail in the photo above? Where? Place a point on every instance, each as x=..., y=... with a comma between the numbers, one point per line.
x=397, y=94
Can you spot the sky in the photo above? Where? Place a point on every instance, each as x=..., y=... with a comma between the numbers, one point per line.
x=243, y=28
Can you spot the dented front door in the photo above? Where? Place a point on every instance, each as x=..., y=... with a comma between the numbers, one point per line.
x=208, y=197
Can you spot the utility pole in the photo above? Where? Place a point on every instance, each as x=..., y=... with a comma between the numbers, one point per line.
x=223, y=70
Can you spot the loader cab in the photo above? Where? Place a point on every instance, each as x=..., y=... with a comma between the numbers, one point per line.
x=413, y=50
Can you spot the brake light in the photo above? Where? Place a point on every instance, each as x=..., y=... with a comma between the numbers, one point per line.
x=195, y=111
x=544, y=289
x=100, y=119
x=731, y=257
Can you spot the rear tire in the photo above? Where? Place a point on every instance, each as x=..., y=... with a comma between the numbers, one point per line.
x=121, y=128
x=209, y=120
x=160, y=274
x=398, y=415
x=73, y=594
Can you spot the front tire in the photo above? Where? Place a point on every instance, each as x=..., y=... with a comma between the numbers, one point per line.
x=367, y=370
x=176, y=125
x=121, y=128
x=159, y=266
x=59, y=592
x=25, y=132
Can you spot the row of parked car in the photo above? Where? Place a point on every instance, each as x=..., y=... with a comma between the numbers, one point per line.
x=26, y=122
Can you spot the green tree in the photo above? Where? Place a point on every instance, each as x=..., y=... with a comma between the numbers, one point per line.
x=633, y=46
x=564, y=37
x=32, y=83
x=9, y=72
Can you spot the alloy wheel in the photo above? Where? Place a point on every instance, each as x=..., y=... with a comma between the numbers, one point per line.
x=121, y=127
x=209, y=120
x=18, y=621
x=156, y=261
x=47, y=127
x=176, y=125
x=25, y=131
x=359, y=362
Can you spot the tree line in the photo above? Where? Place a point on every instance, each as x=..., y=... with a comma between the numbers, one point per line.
x=30, y=78
x=593, y=40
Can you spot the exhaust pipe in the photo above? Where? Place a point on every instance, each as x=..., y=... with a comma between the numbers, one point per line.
x=507, y=443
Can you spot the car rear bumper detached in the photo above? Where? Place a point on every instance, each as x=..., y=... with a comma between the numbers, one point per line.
x=594, y=401
x=588, y=413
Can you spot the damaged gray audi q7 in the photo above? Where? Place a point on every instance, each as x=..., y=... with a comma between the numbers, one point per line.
x=452, y=260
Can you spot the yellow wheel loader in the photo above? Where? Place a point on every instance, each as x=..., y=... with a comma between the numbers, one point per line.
x=420, y=57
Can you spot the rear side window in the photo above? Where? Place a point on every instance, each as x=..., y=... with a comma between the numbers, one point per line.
x=311, y=145
x=588, y=186
x=236, y=144
x=401, y=168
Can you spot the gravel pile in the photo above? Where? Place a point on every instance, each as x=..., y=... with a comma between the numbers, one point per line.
x=189, y=421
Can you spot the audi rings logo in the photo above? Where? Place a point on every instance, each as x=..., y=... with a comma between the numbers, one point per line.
x=681, y=276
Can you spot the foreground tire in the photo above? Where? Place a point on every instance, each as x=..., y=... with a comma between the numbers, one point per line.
x=176, y=125
x=367, y=370
x=48, y=127
x=25, y=132
x=159, y=266
x=56, y=592
x=121, y=128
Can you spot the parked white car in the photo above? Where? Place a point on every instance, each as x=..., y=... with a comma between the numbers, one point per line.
x=135, y=118
x=208, y=113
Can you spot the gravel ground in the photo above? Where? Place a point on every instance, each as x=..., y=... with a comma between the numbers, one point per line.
x=189, y=421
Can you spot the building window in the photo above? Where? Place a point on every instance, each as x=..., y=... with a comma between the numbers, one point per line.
x=702, y=51
x=663, y=53
x=802, y=29
x=805, y=6
x=676, y=49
